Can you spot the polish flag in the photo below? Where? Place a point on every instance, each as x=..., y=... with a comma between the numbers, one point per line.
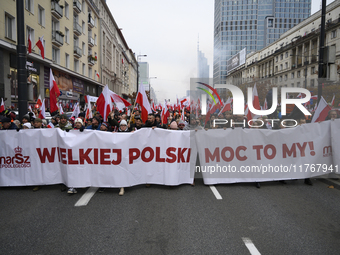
x=104, y=102
x=226, y=107
x=61, y=111
x=2, y=106
x=265, y=105
x=248, y=113
x=54, y=93
x=332, y=103
x=182, y=116
x=97, y=75
x=41, y=46
x=322, y=111
x=256, y=101
x=142, y=100
x=76, y=111
x=29, y=46
x=165, y=114
x=39, y=102
x=88, y=114
x=50, y=125
x=184, y=102
x=42, y=114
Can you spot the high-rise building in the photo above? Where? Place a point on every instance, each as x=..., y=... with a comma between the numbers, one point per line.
x=202, y=65
x=251, y=24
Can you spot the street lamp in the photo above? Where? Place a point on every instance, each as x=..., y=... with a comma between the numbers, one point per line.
x=138, y=68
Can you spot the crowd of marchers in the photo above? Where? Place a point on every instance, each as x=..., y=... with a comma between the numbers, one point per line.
x=121, y=121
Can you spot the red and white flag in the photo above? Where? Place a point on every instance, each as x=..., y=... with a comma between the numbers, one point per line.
x=39, y=101
x=88, y=114
x=104, y=102
x=54, y=93
x=332, y=103
x=184, y=102
x=265, y=105
x=41, y=46
x=2, y=106
x=248, y=113
x=165, y=114
x=50, y=125
x=76, y=111
x=143, y=101
x=322, y=111
x=42, y=114
x=97, y=75
x=29, y=44
x=182, y=116
x=226, y=107
x=61, y=111
x=256, y=101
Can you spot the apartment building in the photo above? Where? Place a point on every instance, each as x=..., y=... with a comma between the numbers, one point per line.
x=292, y=61
x=118, y=62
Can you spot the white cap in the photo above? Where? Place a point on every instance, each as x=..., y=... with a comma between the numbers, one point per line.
x=28, y=125
x=78, y=120
x=123, y=122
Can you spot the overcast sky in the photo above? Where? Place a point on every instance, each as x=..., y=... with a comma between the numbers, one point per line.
x=168, y=33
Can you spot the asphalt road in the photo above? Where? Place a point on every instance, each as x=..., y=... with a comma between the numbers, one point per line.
x=275, y=219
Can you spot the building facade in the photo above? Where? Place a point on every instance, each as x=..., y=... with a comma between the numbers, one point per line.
x=293, y=60
x=118, y=62
x=251, y=24
x=81, y=58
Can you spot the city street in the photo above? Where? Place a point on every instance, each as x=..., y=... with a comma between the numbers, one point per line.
x=291, y=218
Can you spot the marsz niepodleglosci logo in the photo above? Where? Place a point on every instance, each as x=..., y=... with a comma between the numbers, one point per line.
x=18, y=161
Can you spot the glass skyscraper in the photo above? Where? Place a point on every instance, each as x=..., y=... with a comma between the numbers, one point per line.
x=251, y=24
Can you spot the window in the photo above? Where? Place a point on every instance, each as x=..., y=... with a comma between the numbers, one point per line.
x=313, y=70
x=10, y=27
x=95, y=39
x=41, y=16
x=55, y=25
x=55, y=55
x=76, y=65
x=93, y=90
x=90, y=72
x=83, y=26
x=67, y=10
x=298, y=74
x=95, y=21
x=67, y=35
x=277, y=58
x=298, y=84
x=281, y=67
x=333, y=34
x=87, y=88
x=83, y=6
x=281, y=56
x=280, y=78
x=286, y=65
x=29, y=5
x=292, y=76
x=286, y=77
x=287, y=54
x=84, y=48
x=292, y=84
x=83, y=72
x=312, y=82
x=67, y=60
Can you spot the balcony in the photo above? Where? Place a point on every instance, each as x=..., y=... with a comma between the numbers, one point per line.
x=91, y=41
x=57, y=38
x=77, y=28
x=91, y=60
x=77, y=52
x=91, y=21
x=76, y=6
x=56, y=10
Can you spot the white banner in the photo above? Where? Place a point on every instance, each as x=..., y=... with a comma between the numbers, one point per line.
x=255, y=155
x=96, y=158
x=335, y=132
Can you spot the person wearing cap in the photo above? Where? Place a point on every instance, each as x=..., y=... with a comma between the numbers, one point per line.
x=82, y=116
x=193, y=124
x=181, y=125
x=78, y=124
x=37, y=123
x=27, y=125
x=7, y=124
x=64, y=124
x=173, y=126
x=105, y=126
x=95, y=125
